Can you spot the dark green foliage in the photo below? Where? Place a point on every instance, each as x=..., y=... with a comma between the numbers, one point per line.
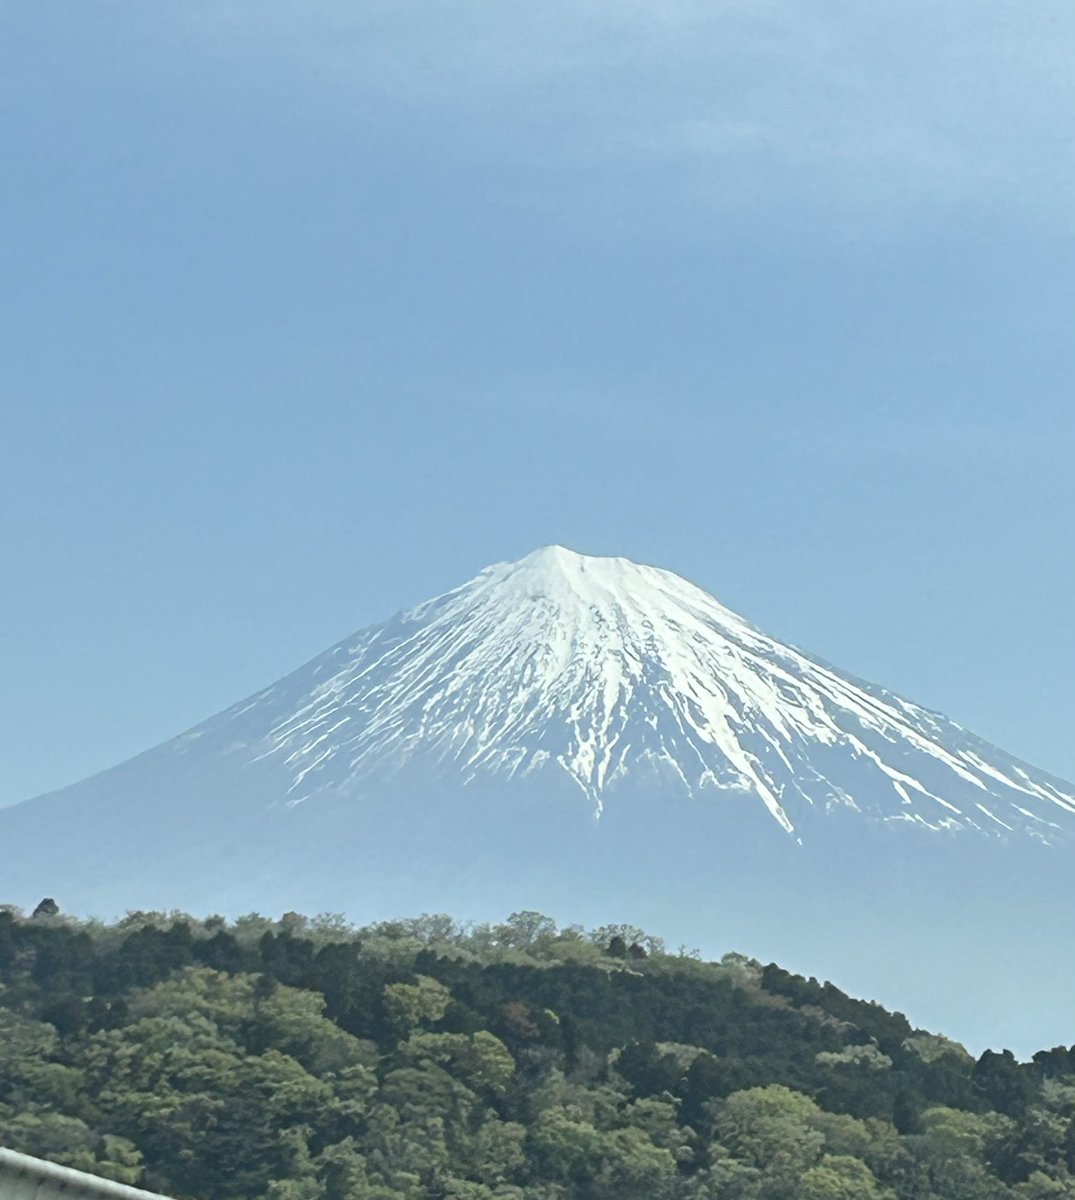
x=1004, y=1084
x=617, y=947
x=304, y=1060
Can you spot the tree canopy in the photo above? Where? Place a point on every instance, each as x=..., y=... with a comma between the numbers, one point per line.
x=303, y=1059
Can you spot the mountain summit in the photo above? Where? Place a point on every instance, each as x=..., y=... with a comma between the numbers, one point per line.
x=594, y=738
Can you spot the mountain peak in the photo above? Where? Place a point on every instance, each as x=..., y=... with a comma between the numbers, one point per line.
x=553, y=556
x=557, y=557
x=563, y=563
x=593, y=588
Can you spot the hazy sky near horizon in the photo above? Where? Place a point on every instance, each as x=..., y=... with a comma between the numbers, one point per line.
x=310, y=311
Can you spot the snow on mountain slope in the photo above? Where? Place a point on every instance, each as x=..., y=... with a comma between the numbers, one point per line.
x=605, y=673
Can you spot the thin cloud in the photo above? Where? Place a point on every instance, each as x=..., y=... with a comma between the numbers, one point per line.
x=885, y=108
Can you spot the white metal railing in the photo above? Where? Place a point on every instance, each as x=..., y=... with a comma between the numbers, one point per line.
x=26, y=1178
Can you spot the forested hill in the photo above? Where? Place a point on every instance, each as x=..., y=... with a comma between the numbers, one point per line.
x=304, y=1060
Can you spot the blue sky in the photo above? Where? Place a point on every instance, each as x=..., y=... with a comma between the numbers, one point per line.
x=311, y=311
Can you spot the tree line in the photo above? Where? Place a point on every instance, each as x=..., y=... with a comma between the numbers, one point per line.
x=303, y=1059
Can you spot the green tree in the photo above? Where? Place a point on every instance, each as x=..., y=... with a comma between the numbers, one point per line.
x=771, y=1128
x=409, y=1005
x=839, y=1177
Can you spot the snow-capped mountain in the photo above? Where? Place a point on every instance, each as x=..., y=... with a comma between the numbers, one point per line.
x=601, y=741
x=605, y=673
